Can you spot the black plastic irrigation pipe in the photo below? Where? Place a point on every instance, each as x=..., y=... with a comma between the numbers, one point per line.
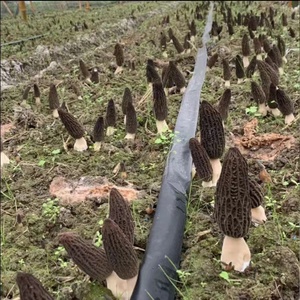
x=22, y=41
x=157, y=272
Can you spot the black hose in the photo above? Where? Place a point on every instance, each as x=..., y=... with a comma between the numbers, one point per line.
x=157, y=274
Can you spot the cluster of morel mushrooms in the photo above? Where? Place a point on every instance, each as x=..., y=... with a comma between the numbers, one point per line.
x=238, y=197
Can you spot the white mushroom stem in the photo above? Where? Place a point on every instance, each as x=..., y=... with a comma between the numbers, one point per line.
x=4, y=159
x=97, y=146
x=284, y=59
x=192, y=38
x=217, y=168
x=280, y=69
x=240, y=80
x=236, y=252
x=245, y=61
x=124, y=119
x=118, y=70
x=161, y=126
x=130, y=136
x=182, y=90
x=165, y=54
x=275, y=112
x=262, y=109
x=110, y=130
x=289, y=119
x=187, y=51
x=80, y=144
x=258, y=215
x=55, y=113
x=38, y=101
x=227, y=83
x=259, y=56
x=121, y=289
x=208, y=69
x=207, y=184
x=194, y=172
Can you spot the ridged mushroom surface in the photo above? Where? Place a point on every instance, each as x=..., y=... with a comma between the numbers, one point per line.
x=131, y=119
x=256, y=194
x=257, y=93
x=151, y=73
x=118, y=53
x=71, y=124
x=200, y=160
x=36, y=91
x=223, y=104
x=212, y=60
x=285, y=104
x=120, y=213
x=84, y=70
x=239, y=68
x=226, y=70
x=160, y=106
x=119, y=250
x=232, y=204
x=31, y=288
x=176, y=75
x=26, y=92
x=53, y=97
x=127, y=97
x=251, y=67
x=266, y=82
x=98, y=132
x=90, y=259
x=269, y=70
x=211, y=130
x=111, y=114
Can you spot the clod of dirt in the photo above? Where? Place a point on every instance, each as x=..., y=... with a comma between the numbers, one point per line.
x=5, y=128
x=85, y=188
x=263, y=147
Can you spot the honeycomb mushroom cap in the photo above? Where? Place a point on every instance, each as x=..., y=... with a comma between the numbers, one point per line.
x=256, y=195
x=200, y=160
x=176, y=75
x=151, y=73
x=53, y=97
x=98, y=132
x=95, y=76
x=226, y=70
x=120, y=213
x=251, y=67
x=257, y=45
x=36, y=91
x=223, y=105
x=252, y=23
x=71, y=124
x=131, y=119
x=84, y=70
x=111, y=114
x=119, y=250
x=245, y=45
x=160, y=105
x=211, y=130
x=270, y=71
x=272, y=99
x=266, y=82
x=193, y=28
x=177, y=44
x=26, y=92
x=212, y=60
x=285, y=104
x=118, y=53
x=281, y=45
x=258, y=93
x=31, y=288
x=90, y=259
x=127, y=97
x=232, y=204
x=163, y=41
x=239, y=67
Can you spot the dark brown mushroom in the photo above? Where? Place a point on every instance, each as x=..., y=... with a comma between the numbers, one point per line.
x=187, y=43
x=201, y=162
x=284, y=20
x=176, y=42
x=84, y=71
x=31, y=288
x=212, y=136
x=131, y=121
x=120, y=213
x=276, y=57
x=160, y=107
x=258, y=214
x=90, y=259
x=251, y=67
x=251, y=33
x=64, y=106
x=233, y=209
x=252, y=24
x=285, y=105
x=151, y=73
x=98, y=133
x=122, y=257
x=272, y=100
x=163, y=42
x=292, y=32
x=260, y=98
x=26, y=93
x=110, y=117
x=266, y=45
x=245, y=50
x=53, y=100
x=257, y=48
x=239, y=69
x=119, y=54
x=270, y=62
x=177, y=77
x=281, y=47
x=193, y=30
x=230, y=28
x=269, y=70
x=223, y=105
x=127, y=97
x=37, y=94
x=74, y=128
x=226, y=72
x=95, y=75
x=212, y=61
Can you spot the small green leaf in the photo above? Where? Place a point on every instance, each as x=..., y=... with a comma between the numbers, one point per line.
x=158, y=141
x=56, y=151
x=225, y=276
x=41, y=163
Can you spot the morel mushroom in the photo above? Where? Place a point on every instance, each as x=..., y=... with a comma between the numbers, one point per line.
x=4, y=158
x=31, y=288
x=239, y=69
x=212, y=61
x=123, y=259
x=285, y=105
x=226, y=72
x=251, y=67
x=25, y=95
x=212, y=137
x=187, y=43
x=37, y=94
x=110, y=118
x=245, y=50
x=90, y=259
x=120, y=213
x=84, y=71
x=201, y=162
x=272, y=101
x=98, y=133
x=269, y=70
x=177, y=77
x=223, y=105
x=151, y=73
x=258, y=214
x=163, y=44
x=127, y=97
x=257, y=48
x=176, y=43
x=281, y=47
x=53, y=100
x=131, y=121
x=275, y=55
x=260, y=98
x=160, y=107
x=233, y=210
x=74, y=128
x=193, y=30
x=119, y=54
x=95, y=75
